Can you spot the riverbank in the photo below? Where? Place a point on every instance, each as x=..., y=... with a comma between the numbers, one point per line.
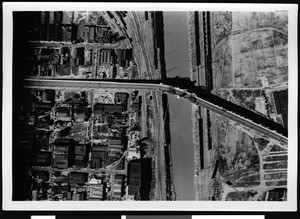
x=204, y=154
x=159, y=51
x=177, y=64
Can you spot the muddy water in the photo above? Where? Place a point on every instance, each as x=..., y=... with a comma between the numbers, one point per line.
x=177, y=62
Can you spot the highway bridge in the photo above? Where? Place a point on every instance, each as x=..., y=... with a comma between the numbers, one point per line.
x=183, y=88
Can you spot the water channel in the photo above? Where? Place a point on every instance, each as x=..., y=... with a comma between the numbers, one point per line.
x=177, y=64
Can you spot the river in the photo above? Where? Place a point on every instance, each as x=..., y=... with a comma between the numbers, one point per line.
x=177, y=62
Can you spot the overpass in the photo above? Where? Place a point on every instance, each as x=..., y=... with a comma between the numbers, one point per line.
x=182, y=87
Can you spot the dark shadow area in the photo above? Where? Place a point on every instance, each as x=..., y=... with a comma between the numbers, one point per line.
x=139, y=178
x=24, y=24
x=158, y=41
x=146, y=177
x=186, y=84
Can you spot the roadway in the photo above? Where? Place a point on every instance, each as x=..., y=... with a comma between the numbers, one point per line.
x=108, y=170
x=88, y=84
x=80, y=170
x=234, y=116
x=58, y=44
x=143, y=85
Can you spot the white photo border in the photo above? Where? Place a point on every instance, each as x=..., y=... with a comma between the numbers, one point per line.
x=8, y=204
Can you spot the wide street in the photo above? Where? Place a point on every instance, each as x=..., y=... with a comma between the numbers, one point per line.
x=213, y=106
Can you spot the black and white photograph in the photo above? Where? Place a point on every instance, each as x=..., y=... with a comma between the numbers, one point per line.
x=162, y=106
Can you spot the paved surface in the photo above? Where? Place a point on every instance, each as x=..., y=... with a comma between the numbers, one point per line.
x=57, y=84
x=90, y=84
x=120, y=44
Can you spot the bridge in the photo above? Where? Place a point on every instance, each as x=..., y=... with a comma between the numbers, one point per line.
x=183, y=88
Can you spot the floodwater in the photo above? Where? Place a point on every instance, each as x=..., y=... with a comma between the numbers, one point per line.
x=177, y=64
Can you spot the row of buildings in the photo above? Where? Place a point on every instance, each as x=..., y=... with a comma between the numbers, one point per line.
x=72, y=61
x=80, y=135
x=79, y=186
x=62, y=47
x=77, y=144
x=63, y=26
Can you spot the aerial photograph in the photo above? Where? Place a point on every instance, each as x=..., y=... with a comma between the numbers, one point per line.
x=150, y=106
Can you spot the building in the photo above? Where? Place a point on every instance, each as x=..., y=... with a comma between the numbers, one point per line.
x=76, y=178
x=115, y=149
x=83, y=33
x=63, y=153
x=51, y=32
x=98, y=156
x=99, y=148
x=116, y=142
x=281, y=103
x=120, y=117
x=133, y=153
x=60, y=161
x=60, y=189
x=79, y=58
x=96, y=190
x=64, y=56
x=81, y=156
x=118, y=132
x=98, y=159
x=108, y=108
x=115, y=146
x=82, y=113
x=42, y=158
x=119, y=123
x=134, y=172
x=133, y=137
x=89, y=53
x=136, y=105
x=80, y=161
x=278, y=194
x=133, y=193
x=50, y=17
x=106, y=57
x=124, y=56
x=60, y=157
x=81, y=150
x=104, y=72
x=63, y=114
x=92, y=34
x=121, y=164
x=121, y=98
x=134, y=180
x=102, y=35
x=118, y=190
x=120, y=120
x=45, y=96
x=79, y=196
x=133, y=150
